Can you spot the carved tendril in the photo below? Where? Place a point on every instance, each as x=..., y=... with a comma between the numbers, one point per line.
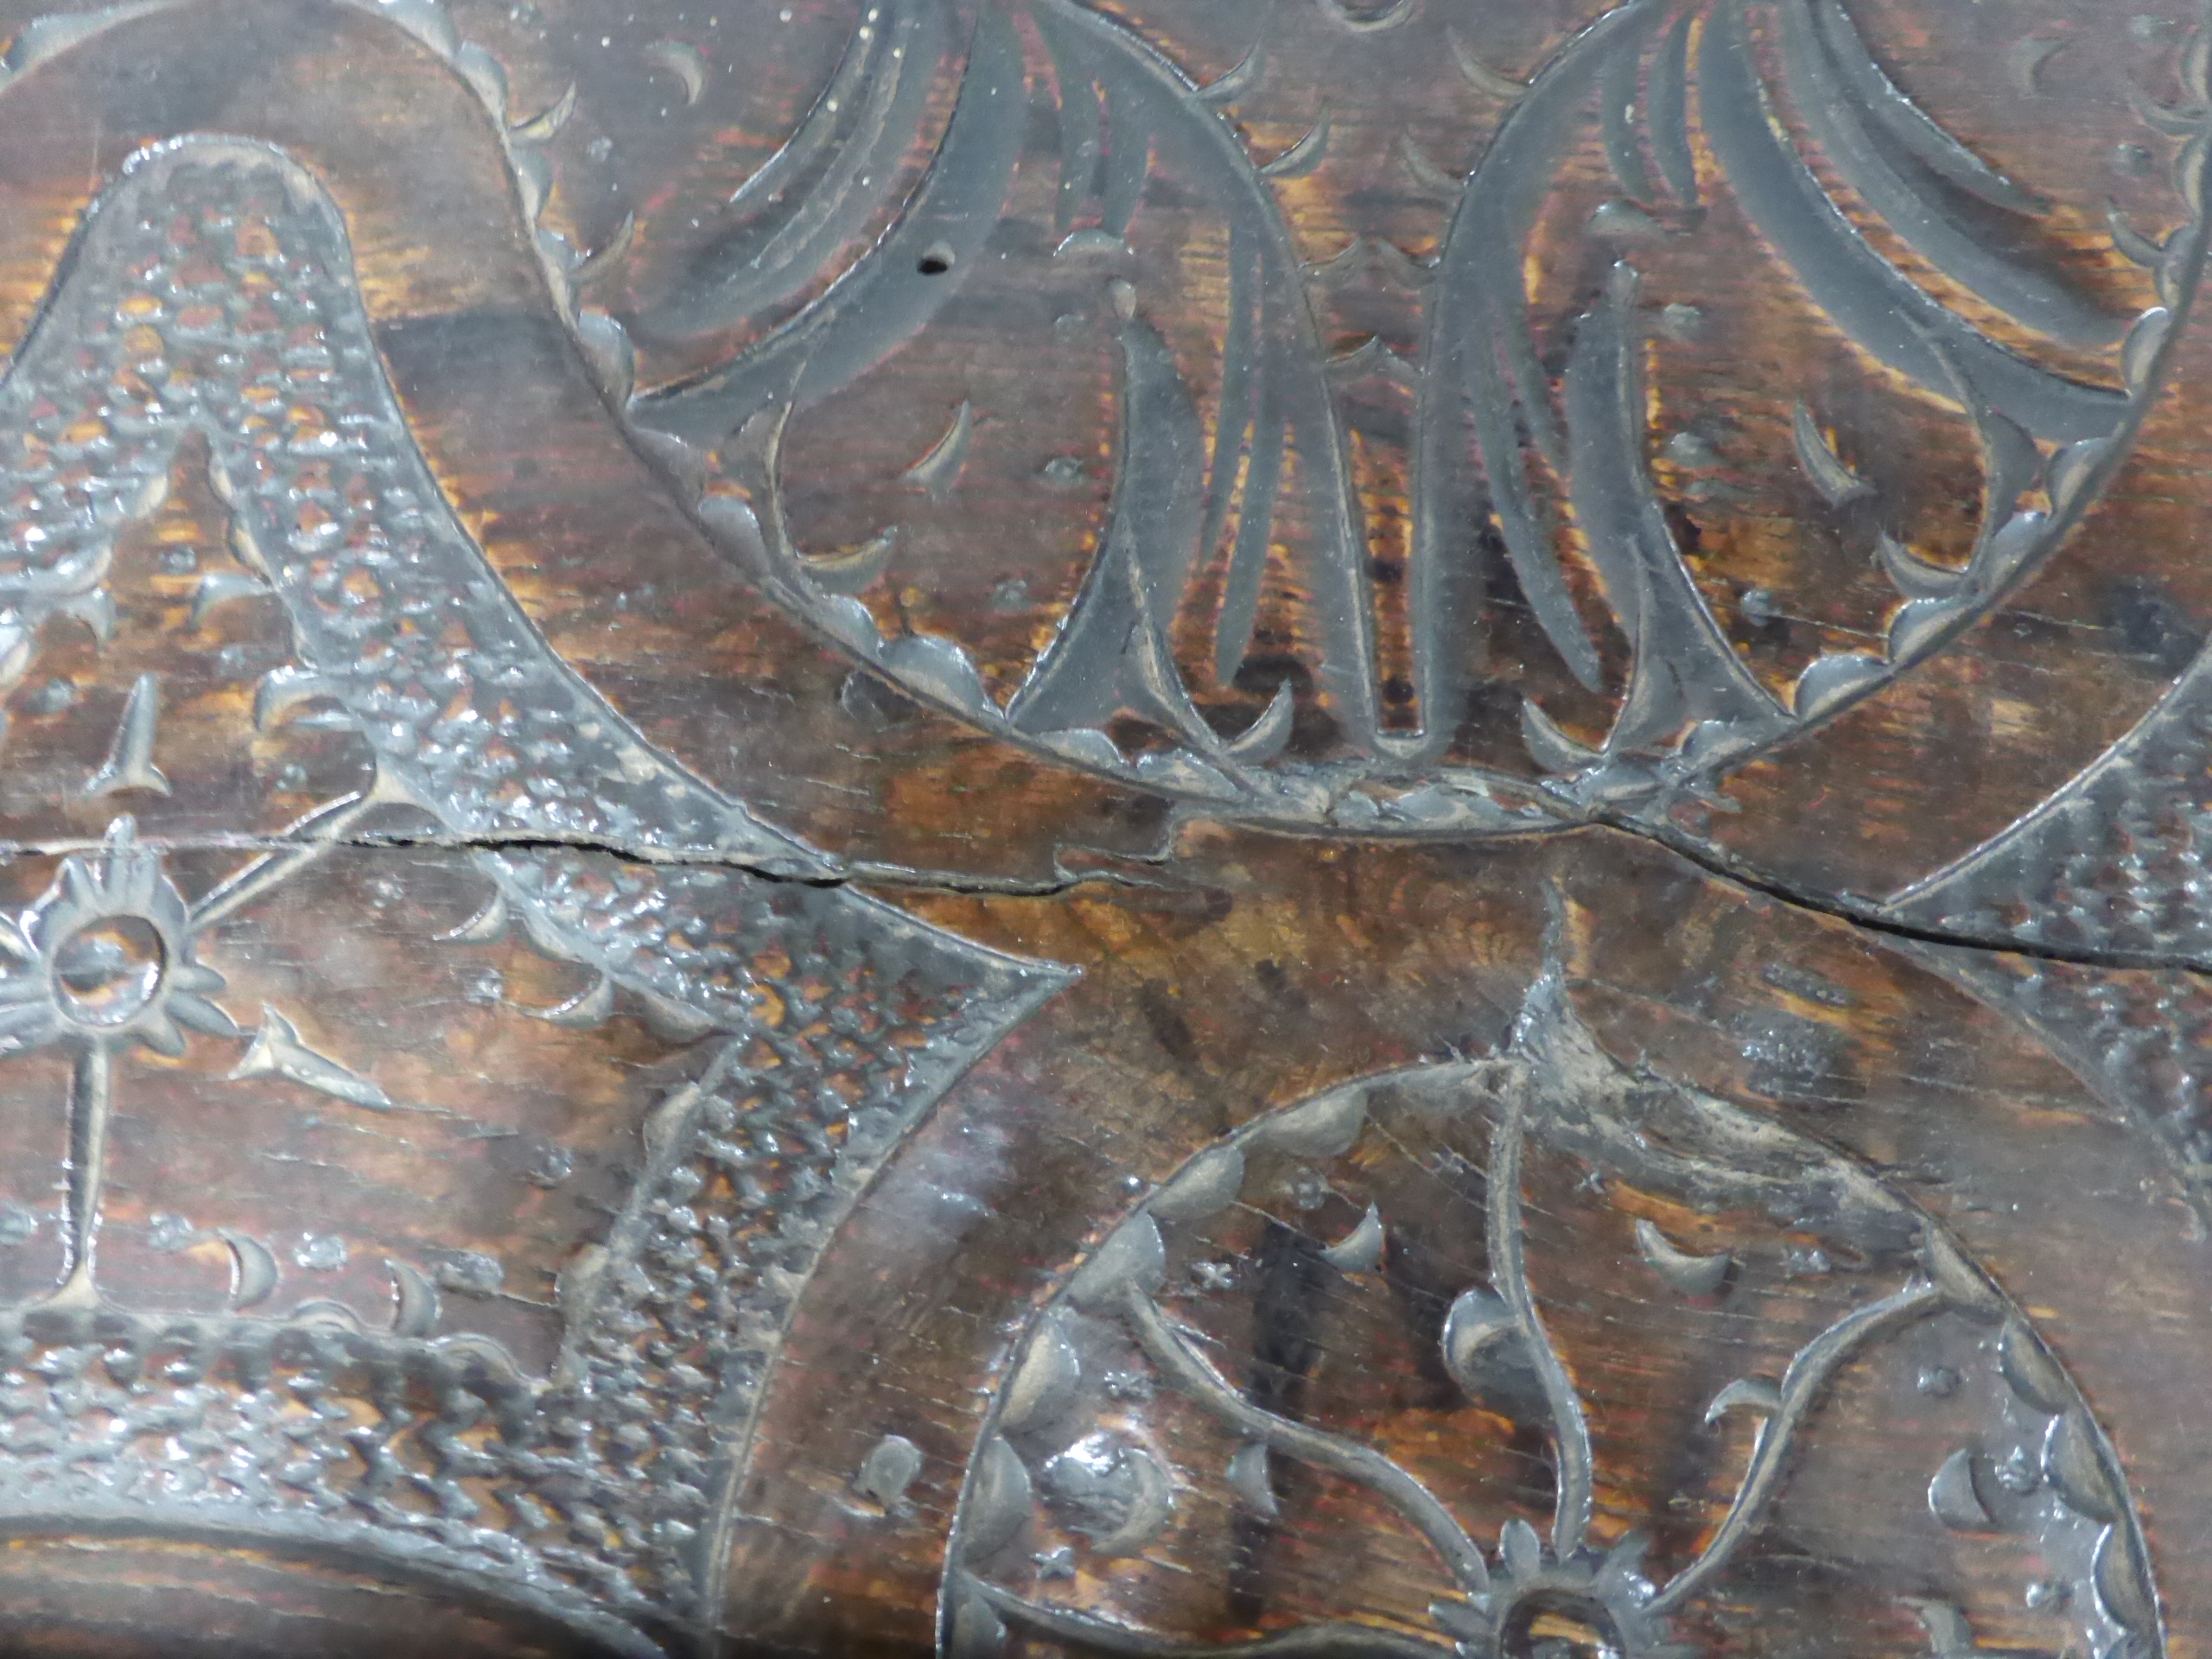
x=1198, y=1380
x=1509, y=1273
x=1801, y=1385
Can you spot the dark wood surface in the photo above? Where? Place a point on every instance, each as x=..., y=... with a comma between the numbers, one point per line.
x=974, y=826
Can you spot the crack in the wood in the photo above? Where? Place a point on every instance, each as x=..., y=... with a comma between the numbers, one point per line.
x=1860, y=913
x=837, y=872
x=861, y=872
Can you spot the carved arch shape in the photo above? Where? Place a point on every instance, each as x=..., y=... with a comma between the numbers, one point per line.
x=210, y=294
x=1539, y=1170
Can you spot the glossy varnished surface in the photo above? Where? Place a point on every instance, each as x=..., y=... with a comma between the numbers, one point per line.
x=994, y=828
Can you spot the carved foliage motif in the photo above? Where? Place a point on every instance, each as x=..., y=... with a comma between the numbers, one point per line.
x=1236, y=633
x=1514, y=1210
x=1527, y=422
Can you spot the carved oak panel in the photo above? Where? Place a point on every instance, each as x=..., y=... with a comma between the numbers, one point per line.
x=1025, y=827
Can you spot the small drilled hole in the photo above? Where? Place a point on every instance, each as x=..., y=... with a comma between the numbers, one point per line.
x=936, y=260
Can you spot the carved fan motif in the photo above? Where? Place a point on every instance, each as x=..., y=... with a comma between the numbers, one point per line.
x=1530, y=420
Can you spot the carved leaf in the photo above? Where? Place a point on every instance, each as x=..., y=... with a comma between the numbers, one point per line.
x=1112, y=651
x=1274, y=393
x=1829, y=77
x=816, y=192
x=883, y=300
x=1685, y=669
x=1866, y=296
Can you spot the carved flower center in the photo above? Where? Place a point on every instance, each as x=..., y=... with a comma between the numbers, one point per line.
x=107, y=970
x=1556, y=1624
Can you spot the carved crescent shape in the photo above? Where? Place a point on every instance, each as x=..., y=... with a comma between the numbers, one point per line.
x=253, y=1268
